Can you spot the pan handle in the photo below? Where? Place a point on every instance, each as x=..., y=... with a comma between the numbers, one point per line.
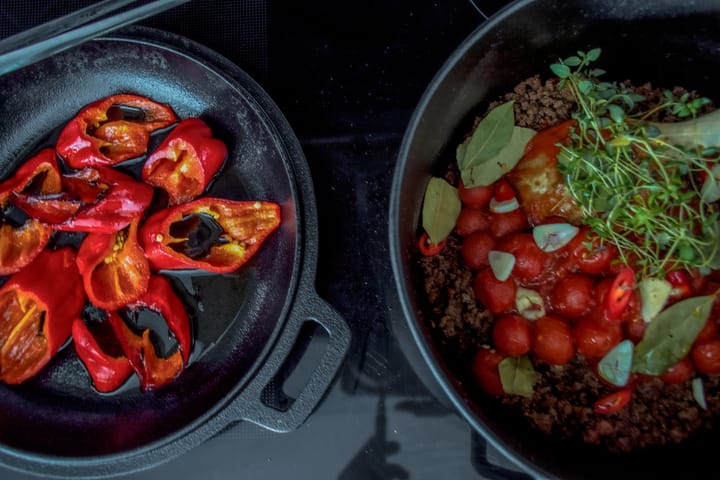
x=250, y=405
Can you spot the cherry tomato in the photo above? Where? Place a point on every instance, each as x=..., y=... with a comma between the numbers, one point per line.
x=681, y=372
x=477, y=197
x=512, y=335
x=709, y=331
x=497, y=296
x=596, y=336
x=503, y=191
x=485, y=369
x=595, y=260
x=429, y=249
x=614, y=402
x=502, y=224
x=619, y=294
x=572, y=295
x=475, y=249
x=529, y=259
x=553, y=341
x=471, y=220
x=681, y=285
x=706, y=357
x=635, y=330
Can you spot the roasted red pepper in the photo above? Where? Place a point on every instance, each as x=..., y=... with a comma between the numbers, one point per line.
x=107, y=371
x=112, y=130
x=209, y=234
x=114, y=269
x=22, y=238
x=37, y=315
x=186, y=161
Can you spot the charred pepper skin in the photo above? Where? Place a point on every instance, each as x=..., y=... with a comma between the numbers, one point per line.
x=245, y=226
x=38, y=316
x=94, y=137
x=107, y=372
x=186, y=161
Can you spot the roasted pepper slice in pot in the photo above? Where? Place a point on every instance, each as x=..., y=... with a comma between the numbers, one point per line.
x=39, y=304
x=108, y=371
x=186, y=161
x=113, y=266
x=112, y=130
x=211, y=234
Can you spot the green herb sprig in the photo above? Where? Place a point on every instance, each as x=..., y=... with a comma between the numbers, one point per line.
x=637, y=190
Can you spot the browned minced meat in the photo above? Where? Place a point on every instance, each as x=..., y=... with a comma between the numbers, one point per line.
x=564, y=395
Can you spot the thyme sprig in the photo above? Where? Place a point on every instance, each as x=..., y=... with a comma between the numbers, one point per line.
x=636, y=190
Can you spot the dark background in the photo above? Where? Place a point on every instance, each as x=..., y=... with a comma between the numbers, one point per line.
x=347, y=76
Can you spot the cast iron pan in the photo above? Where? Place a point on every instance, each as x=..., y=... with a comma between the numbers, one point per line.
x=245, y=324
x=667, y=42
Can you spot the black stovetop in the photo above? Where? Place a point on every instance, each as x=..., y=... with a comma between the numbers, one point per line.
x=347, y=76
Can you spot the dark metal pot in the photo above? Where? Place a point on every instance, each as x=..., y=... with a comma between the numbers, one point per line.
x=246, y=325
x=666, y=42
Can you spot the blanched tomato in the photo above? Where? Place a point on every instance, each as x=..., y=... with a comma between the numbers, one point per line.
x=502, y=224
x=681, y=372
x=497, y=296
x=572, y=295
x=485, y=368
x=594, y=260
x=596, y=336
x=529, y=259
x=475, y=248
x=706, y=357
x=477, y=197
x=512, y=335
x=553, y=340
x=471, y=220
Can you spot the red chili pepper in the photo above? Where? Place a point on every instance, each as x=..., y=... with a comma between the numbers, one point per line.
x=39, y=304
x=619, y=294
x=108, y=372
x=211, y=234
x=430, y=249
x=114, y=269
x=681, y=284
x=112, y=130
x=186, y=161
x=613, y=402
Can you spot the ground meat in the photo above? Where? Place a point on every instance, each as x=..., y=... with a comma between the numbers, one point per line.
x=562, y=404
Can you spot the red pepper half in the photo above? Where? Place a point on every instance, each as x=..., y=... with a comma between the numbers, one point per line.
x=112, y=130
x=430, y=249
x=613, y=402
x=619, y=294
x=22, y=238
x=114, y=269
x=107, y=371
x=39, y=304
x=211, y=234
x=186, y=161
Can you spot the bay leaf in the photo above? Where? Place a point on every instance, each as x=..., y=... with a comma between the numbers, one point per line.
x=517, y=376
x=505, y=160
x=490, y=136
x=669, y=337
x=441, y=208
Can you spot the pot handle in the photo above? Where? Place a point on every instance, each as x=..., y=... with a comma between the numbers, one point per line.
x=249, y=404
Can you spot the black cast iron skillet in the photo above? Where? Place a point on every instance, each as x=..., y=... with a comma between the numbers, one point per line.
x=246, y=324
x=666, y=42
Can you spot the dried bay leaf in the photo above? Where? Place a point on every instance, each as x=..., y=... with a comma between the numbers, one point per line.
x=517, y=376
x=491, y=170
x=441, y=208
x=490, y=136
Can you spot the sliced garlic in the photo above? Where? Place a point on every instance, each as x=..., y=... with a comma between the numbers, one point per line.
x=654, y=293
x=554, y=236
x=501, y=264
x=529, y=303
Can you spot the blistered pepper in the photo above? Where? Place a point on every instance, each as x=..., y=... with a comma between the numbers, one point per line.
x=186, y=161
x=39, y=304
x=22, y=237
x=153, y=369
x=108, y=371
x=114, y=268
x=112, y=130
x=211, y=234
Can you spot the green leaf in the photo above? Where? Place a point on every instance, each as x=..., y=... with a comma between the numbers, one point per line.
x=490, y=136
x=593, y=54
x=461, y=151
x=517, y=376
x=616, y=113
x=670, y=335
x=572, y=61
x=562, y=71
x=489, y=171
x=585, y=86
x=441, y=208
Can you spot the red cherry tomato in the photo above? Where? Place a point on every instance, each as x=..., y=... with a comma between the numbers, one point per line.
x=597, y=259
x=572, y=295
x=529, y=259
x=475, y=249
x=596, y=336
x=614, y=402
x=498, y=297
x=706, y=357
x=485, y=369
x=429, y=249
x=553, y=341
x=681, y=284
x=477, y=197
x=503, y=191
x=619, y=294
x=512, y=335
x=709, y=331
x=471, y=220
x=502, y=224
x=681, y=372
x=635, y=330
